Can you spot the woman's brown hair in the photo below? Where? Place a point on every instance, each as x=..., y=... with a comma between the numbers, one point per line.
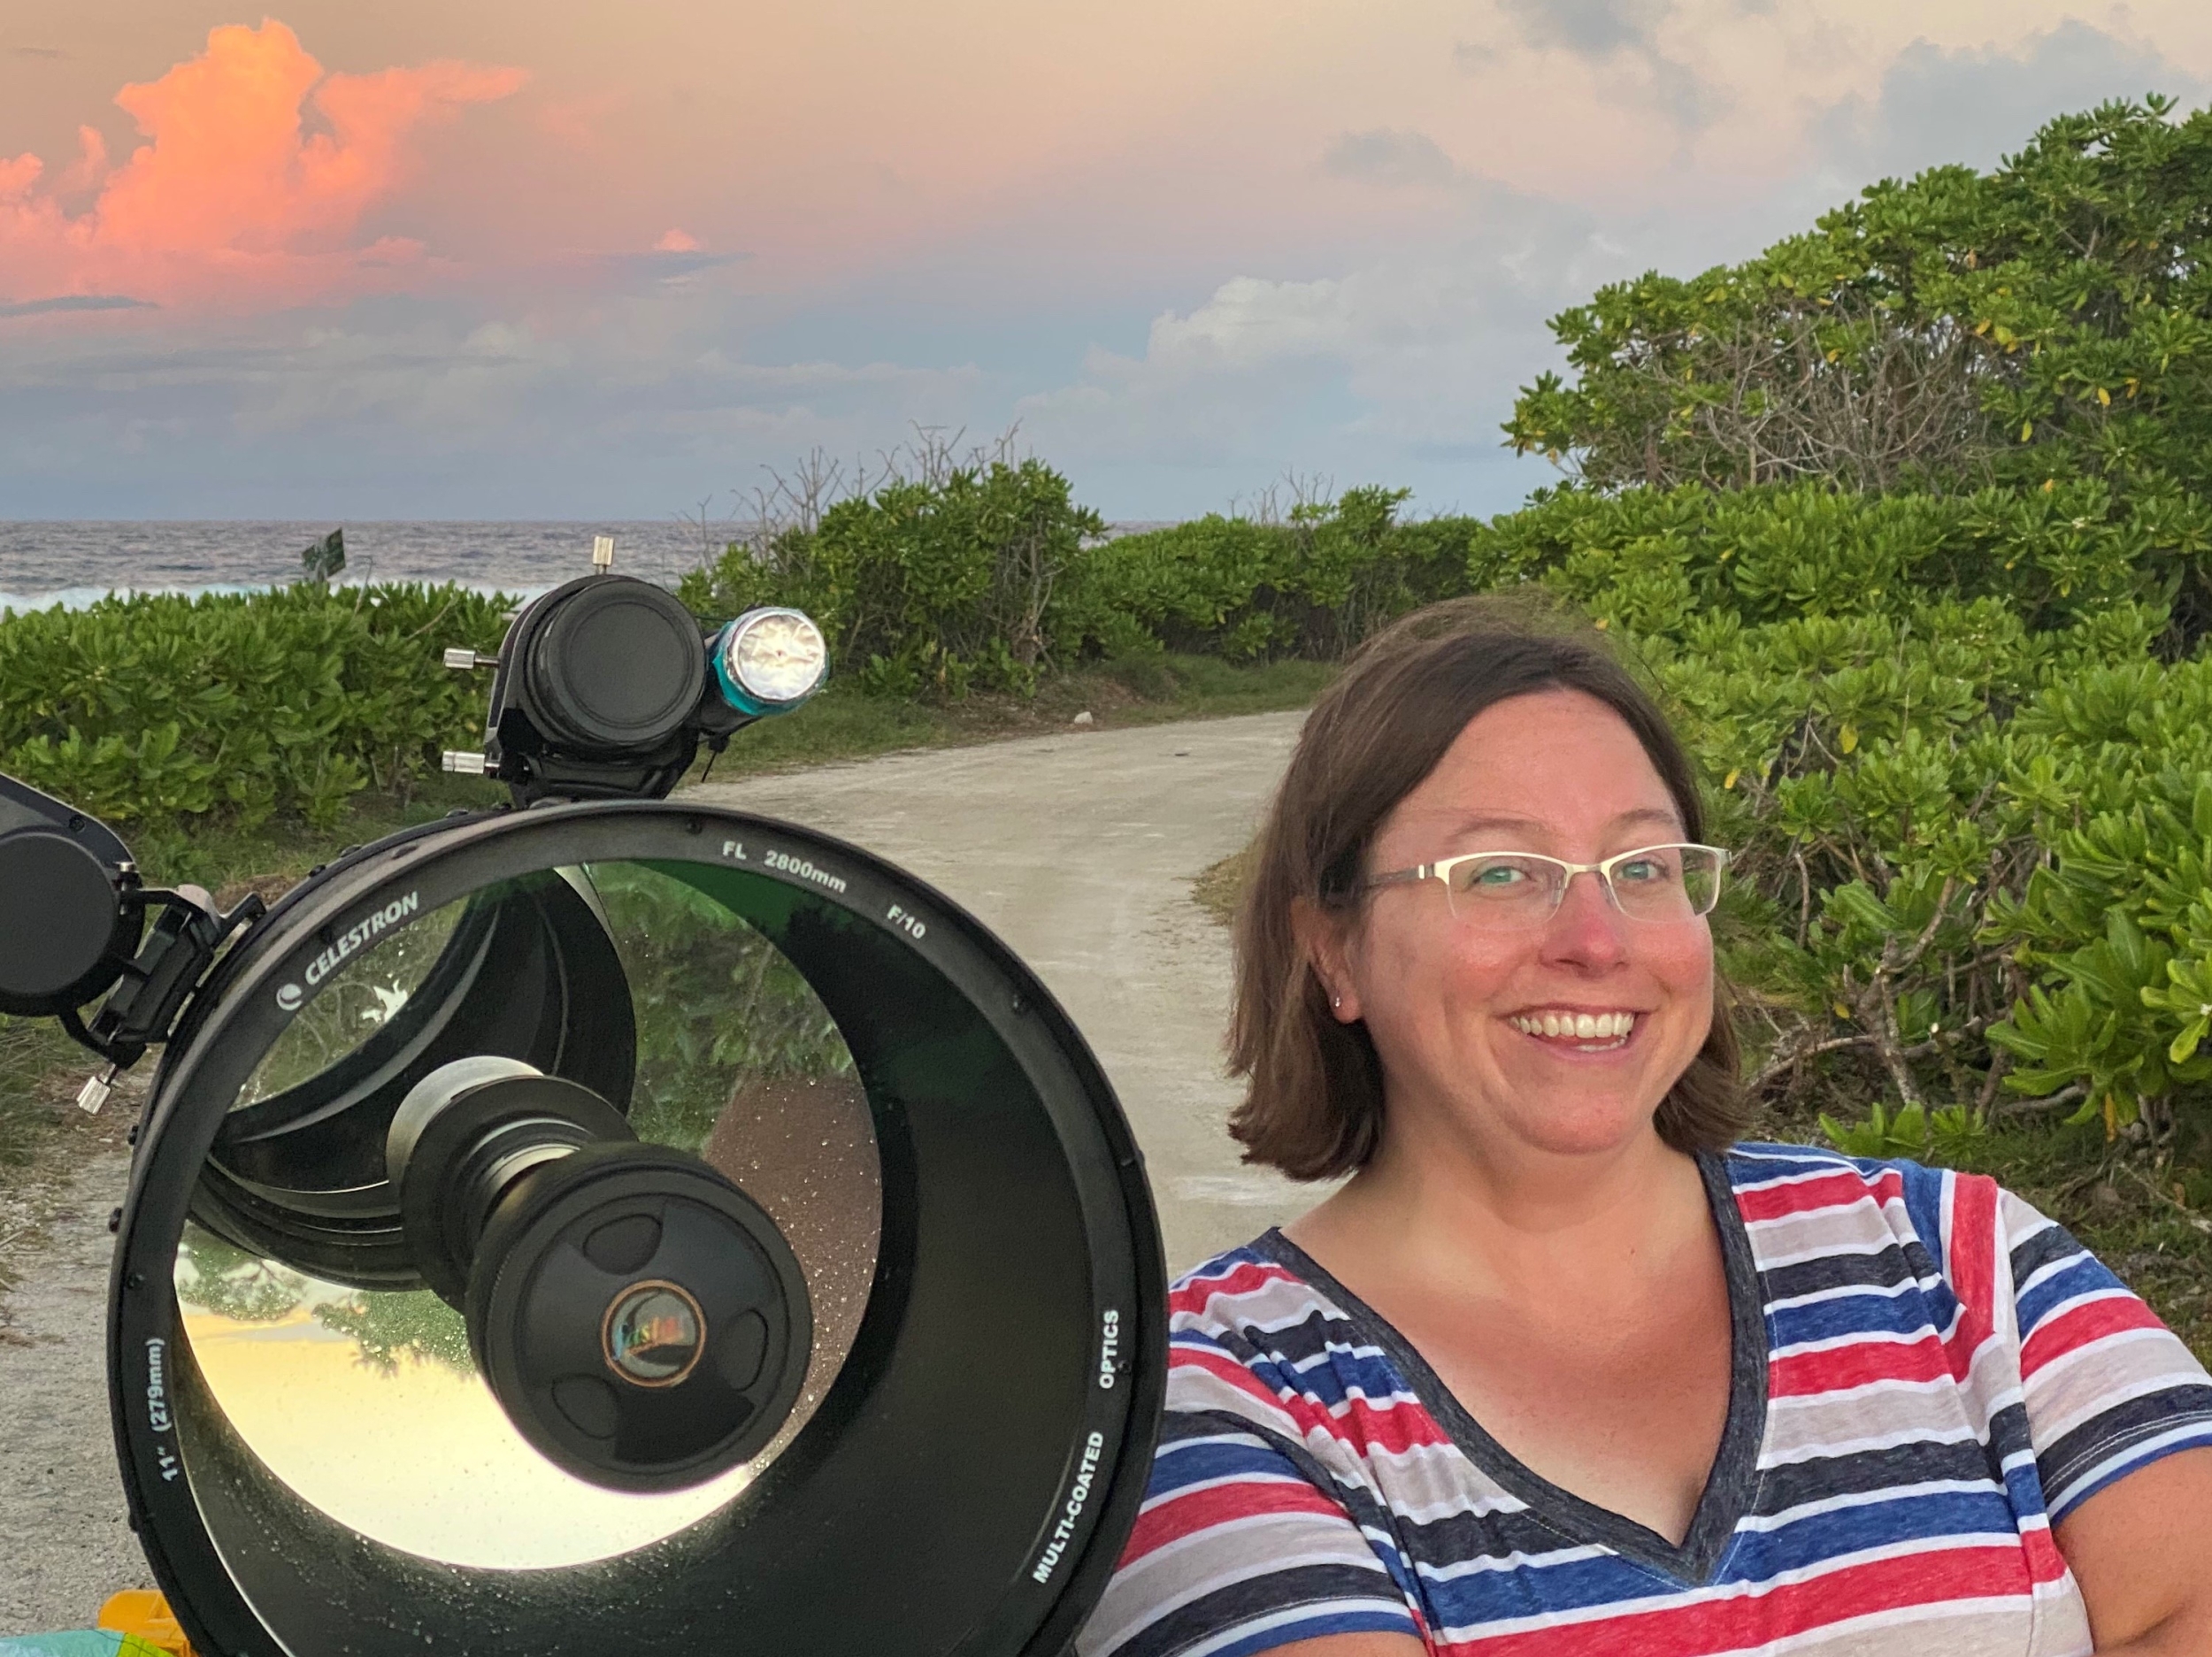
x=1313, y=1106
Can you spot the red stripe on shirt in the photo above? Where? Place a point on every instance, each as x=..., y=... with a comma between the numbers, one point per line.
x=1391, y=1426
x=1802, y=1374
x=1889, y=1584
x=2046, y=1563
x=1839, y=1190
x=2077, y=1326
x=1245, y=1278
x=1970, y=1256
x=1228, y=1503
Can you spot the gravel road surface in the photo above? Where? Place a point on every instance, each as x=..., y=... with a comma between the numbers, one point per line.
x=64, y=1545
x=1078, y=850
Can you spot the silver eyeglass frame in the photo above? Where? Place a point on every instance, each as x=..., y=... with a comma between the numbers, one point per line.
x=1603, y=869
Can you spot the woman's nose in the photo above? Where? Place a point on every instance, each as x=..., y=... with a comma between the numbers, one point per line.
x=1586, y=928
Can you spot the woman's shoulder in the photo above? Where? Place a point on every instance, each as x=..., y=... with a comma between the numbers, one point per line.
x=1772, y=1181
x=1259, y=1318
x=1252, y=1290
x=1262, y=1340
x=1801, y=1201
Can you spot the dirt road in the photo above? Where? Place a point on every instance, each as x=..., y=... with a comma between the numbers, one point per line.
x=64, y=1545
x=1078, y=850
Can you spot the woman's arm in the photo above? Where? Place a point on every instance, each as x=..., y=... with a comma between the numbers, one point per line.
x=1355, y=1646
x=2141, y=1549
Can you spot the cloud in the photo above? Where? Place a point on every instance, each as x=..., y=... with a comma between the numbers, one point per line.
x=592, y=403
x=73, y=301
x=232, y=203
x=676, y=260
x=37, y=52
x=1384, y=155
x=1976, y=104
x=1615, y=36
x=1590, y=28
x=1399, y=367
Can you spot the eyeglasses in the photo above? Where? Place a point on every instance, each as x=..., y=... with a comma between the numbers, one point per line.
x=1507, y=890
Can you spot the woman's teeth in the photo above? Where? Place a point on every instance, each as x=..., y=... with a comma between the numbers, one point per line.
x=1588, y=1029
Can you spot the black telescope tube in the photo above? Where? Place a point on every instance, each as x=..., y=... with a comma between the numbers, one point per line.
x=980, y=1456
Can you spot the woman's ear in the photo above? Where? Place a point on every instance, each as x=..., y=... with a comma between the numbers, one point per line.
x=1324, y=938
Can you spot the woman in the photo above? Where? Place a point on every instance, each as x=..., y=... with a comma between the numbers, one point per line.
x=1561, y=1368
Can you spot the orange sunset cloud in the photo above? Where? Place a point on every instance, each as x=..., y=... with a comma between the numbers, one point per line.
x=233, y=201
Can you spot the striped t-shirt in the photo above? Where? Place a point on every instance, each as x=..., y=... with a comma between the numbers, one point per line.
x=1927, y=1375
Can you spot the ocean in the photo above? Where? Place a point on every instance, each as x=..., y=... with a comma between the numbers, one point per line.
x=72, y=563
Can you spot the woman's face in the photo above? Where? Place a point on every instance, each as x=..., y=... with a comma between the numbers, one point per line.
x=1457, y=1010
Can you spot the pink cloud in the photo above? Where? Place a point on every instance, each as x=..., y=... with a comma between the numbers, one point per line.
x=677, y=241
x=231, y=202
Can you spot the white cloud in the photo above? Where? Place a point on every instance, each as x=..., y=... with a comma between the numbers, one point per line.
x=1411, y=358
x=1939, y=105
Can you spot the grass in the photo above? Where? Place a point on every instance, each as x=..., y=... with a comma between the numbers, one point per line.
x=1218, y=890
x=2147, y=1220
x=842, y=725
x=31, y=1052
x=28, y=1051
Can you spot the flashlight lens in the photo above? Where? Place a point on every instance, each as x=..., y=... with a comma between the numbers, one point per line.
x=775, y=658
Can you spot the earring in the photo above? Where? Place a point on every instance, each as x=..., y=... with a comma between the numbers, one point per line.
x=1336, y=1003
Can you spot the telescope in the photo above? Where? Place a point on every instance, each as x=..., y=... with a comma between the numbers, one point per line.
x=607, y=1223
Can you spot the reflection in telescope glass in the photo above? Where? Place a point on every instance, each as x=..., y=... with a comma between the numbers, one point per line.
x=359, y=1000
x=805, y=1149
x=367, y=1406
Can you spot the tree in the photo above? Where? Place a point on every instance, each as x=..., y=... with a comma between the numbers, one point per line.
x=2050, y=319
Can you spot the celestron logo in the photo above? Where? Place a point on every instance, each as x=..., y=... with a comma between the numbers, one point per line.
x=350, y=943
x=1078, y=1493
x=654, y=1334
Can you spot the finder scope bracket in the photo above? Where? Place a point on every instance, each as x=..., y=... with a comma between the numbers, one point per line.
x=73, y=927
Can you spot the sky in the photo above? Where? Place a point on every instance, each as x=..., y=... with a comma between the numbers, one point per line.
x=570, y=260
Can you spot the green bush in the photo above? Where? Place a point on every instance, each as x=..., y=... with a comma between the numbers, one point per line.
x=1312, y=586
x=160, y=708
x=2048, y=321
x=923, y=585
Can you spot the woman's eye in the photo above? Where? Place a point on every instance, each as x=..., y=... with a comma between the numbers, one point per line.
x=1498, y=875
x=1642, y=869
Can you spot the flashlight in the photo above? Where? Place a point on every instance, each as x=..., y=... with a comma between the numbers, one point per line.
x=769, y=661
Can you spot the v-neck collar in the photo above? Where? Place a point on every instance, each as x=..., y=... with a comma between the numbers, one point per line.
x=1728, y=1487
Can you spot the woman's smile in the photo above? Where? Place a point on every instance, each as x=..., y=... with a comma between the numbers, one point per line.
x=1579, y=1033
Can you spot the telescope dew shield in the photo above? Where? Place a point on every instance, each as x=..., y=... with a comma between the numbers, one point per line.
x=846, y=1347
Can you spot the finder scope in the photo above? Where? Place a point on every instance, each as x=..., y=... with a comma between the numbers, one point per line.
x=605, y=688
